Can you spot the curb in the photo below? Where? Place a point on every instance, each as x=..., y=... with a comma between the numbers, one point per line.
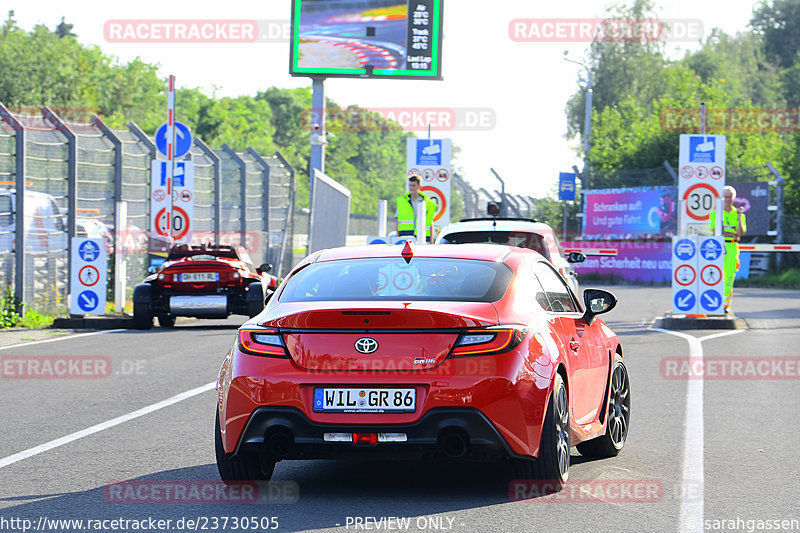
x=679, y=322
x=112, y=322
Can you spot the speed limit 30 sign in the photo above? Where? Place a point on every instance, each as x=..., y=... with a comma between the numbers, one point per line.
x=702, y=170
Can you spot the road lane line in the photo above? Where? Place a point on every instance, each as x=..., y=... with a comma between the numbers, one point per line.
x=693, y=509
x=65, y=337
x=11, y=459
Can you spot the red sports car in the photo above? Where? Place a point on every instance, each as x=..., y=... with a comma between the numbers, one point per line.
x=204, y=281
x=472, y=352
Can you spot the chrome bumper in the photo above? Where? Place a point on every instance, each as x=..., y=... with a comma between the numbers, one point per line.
x=200, y=306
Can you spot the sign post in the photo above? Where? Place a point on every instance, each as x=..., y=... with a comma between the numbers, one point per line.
x=566, y=192
x=89, y=273
x=697, y=258
x=430, y=160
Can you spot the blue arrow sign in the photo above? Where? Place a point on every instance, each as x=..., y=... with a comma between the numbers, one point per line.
x=183, y=140
x=684, y=249
x=88, y=301
x=710, y=249
x=684, y=300
x=88, y=251
x=711, y=300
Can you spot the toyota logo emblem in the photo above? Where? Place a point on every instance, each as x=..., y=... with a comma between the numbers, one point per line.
x=366, y=345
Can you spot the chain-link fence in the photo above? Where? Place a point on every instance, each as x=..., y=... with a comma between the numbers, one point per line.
x=71, y=178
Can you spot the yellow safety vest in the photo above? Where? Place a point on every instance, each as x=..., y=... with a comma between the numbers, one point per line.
x=730, y=220
x=405, y=214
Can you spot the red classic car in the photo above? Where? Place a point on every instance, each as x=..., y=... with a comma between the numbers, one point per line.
x=474, y=351
x=205, y=281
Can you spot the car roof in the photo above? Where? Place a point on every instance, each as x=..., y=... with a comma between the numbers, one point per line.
x=487, y=224
x=484, y=252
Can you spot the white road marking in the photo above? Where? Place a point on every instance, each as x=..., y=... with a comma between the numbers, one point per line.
x=692, y=507
x=11, y=459
x=66, y=337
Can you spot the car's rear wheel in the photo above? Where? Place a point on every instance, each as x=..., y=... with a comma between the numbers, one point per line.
x=142, y=318
x=166, y=321
x=551, y=469
x=619, y=416
x=242, y=467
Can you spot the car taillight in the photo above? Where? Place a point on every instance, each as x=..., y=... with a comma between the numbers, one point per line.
x=488, y=341
x=266, y=342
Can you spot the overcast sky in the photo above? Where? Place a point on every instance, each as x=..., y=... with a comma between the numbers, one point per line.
x=524, y=84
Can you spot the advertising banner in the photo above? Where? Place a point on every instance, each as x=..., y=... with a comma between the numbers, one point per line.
x=641, y=212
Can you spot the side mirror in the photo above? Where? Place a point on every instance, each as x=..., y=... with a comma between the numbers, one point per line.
x=597, y=302
x=575, y=257
x=266, y=267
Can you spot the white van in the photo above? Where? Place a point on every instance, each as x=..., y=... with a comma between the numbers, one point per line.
x=45, y=225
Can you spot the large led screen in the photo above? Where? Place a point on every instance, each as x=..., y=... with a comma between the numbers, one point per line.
x=367, y=38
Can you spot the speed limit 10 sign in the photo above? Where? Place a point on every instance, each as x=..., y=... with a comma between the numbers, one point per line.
x=701, y=174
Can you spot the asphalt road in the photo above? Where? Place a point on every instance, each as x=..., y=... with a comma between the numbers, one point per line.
x=737, y=460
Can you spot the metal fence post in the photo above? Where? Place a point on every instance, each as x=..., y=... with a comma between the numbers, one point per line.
x=72, y=184
x=19, y=204
x=289, y=212
x=217, y=162
x=265, y=197
x=242, y=191
x=779, y=237
x=119, y=280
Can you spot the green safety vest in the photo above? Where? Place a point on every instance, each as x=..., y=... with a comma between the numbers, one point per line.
x=405, y=214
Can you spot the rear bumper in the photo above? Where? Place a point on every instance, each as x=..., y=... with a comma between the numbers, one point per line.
x=458, y=433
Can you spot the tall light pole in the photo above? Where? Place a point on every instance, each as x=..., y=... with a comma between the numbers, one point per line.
x=587, y=127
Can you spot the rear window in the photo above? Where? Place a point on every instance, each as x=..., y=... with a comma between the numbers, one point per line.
x=385, y=279
x=520, y=239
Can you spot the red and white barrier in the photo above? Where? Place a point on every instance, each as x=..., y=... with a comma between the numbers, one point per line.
x=769, y=247
x=593, y=251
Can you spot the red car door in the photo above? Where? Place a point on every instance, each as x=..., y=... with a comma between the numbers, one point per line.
x=580, y=344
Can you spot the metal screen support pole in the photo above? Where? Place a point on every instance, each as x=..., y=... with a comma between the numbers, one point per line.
x=382, y=218
x=209, y=153
x=119, y=222
x=318, y=135
x=72, y=184
x=264, y=197
x=19, y=204
x=242, y=190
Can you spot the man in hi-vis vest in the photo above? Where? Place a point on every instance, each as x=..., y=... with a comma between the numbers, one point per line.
x=407, y=207
x=733, y=227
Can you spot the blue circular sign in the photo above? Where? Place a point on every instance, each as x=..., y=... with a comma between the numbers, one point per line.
x=684, y=300
x=711, y=249
x=711, y=300
x=88, y=301
x=684, y=249
x=88, y=251
x=183, y=140
x=379, y=240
